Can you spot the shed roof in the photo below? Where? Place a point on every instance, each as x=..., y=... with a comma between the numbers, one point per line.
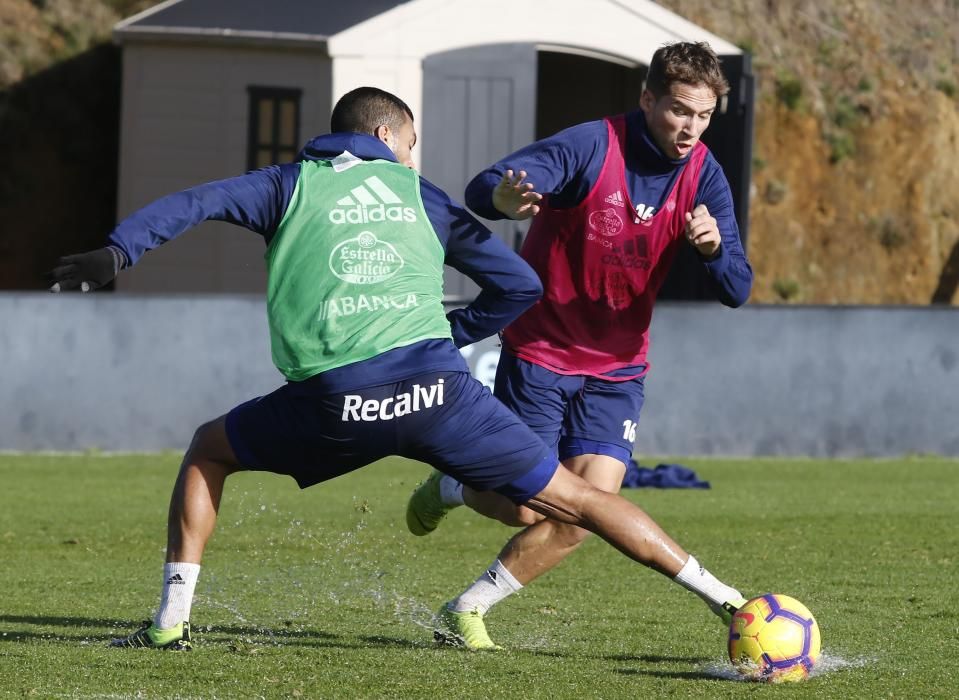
x=630, y=29
x=292, y=18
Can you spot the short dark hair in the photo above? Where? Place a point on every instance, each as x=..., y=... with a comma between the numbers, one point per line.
x=365, y=109
x=693, y=63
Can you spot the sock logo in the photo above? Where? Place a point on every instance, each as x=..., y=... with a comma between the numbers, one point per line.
x=492, y=574
x=176, y=579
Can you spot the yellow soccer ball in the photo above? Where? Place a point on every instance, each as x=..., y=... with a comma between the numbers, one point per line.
x=774, y=638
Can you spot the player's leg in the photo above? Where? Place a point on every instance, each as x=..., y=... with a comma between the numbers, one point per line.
x=540, y=547
x=191, y=519
x=536, y=549
x=601, y=429
x=573, y=500
x=196, y=495
x=595, y=445
x=555, y=492
x=296, y=431
x=483, y=445
x=440, y=493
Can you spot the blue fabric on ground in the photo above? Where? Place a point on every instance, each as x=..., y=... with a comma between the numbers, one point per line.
x=663, y=476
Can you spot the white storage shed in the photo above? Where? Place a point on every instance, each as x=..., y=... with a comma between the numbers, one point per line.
x=212, y=88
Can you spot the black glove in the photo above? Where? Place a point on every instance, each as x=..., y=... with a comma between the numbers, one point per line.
x=86, y=271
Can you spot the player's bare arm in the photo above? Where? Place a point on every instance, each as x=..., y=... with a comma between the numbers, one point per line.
x=702, y=231
x=515, y=198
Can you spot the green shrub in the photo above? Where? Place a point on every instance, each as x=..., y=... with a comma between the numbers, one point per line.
x=789, y=90
x=786, y=289
x=845, y=113
x=947, y=87
x=890, y=234
x=842, y=145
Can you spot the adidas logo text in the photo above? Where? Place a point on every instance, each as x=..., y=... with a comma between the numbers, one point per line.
x=615, y=198
x=175, y=579
x=371, y=202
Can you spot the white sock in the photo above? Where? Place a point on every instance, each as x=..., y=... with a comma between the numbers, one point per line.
x=451, y=491
x=695, y=578
x=179, y=581
x=495, y=584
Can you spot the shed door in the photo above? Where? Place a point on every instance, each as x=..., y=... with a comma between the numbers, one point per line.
x=479, y=104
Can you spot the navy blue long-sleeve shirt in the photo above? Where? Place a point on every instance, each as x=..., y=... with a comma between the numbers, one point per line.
x=567, y=165
x=258, y=201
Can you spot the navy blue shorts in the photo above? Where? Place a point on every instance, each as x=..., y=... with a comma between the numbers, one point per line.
x=446, y=419
x=573, y=414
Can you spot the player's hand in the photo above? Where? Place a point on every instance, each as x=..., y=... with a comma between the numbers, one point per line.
x=516, y=199
x=85, y=271
x=702, y=232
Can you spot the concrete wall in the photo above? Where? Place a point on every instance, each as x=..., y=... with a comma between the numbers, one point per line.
x=140, y=373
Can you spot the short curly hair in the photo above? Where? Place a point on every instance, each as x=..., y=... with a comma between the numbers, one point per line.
x=692, y=63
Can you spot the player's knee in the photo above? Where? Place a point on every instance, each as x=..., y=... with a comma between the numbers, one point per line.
x=518, y=516
x=210, y=444
x=202, y=441
x=526, y=517
x=571, y=535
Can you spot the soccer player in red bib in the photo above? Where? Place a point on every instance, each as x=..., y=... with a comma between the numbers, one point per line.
x=614, y=201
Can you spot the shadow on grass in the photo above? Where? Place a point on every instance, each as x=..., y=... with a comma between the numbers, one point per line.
x=682, y=675
x=396, y=643
x=121, y=626
x=657, y=659
x=697, y=674
x=238, y=637
x=62, y=621
x=638, y=658
x=695, y=661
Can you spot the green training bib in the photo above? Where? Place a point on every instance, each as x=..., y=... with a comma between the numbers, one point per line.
x=355, y=268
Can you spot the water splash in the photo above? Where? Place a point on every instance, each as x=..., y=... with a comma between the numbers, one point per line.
x=831, y=662
x=337, y=570
x=828, y=663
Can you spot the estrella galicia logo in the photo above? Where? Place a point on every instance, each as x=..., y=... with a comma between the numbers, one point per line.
x=606, y=222
x=365, y=260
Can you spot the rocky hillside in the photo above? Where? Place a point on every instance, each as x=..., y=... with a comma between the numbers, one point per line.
x=856, y=161
x=855, y=175
x=34, y=34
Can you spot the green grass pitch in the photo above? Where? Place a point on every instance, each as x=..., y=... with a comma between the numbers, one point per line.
x=323, y=593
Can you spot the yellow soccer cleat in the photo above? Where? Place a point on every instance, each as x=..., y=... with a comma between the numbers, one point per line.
x=463, y=629
x=177, y=638
x=426, y=509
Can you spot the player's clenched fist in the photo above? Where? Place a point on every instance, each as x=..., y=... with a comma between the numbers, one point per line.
x=702, y=231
